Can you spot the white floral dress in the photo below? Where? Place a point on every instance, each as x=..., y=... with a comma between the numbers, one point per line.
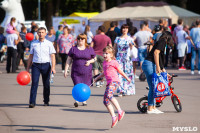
x=123, y=58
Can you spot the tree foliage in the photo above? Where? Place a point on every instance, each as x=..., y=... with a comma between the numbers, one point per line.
x=51, y=8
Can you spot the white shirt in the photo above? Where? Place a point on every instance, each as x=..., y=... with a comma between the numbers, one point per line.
x=42, y=51
x=142, y=37
x=10, y=38
x=89, y=37
x=181, y=35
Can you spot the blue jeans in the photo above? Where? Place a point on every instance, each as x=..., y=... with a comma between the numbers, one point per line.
x=142, y=54
x=194, y=52
x=45, y=70
x=149, y=68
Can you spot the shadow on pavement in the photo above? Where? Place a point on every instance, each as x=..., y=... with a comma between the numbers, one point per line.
x=93, y=95
x=34, y=128
x=26, y=105
x=97, y=111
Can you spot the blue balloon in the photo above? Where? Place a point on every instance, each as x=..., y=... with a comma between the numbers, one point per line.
x=81, y=92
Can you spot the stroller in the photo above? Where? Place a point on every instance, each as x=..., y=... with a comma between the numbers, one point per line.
x=3, y=51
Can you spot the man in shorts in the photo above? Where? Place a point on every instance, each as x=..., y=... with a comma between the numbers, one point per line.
x=99, y=42
x=142, y=37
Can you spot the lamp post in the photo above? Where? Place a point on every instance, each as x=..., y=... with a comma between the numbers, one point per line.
x=39, y=10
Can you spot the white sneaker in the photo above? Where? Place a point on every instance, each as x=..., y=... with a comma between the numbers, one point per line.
x=63, y=71
x=136, y=77
x=192, y=72
x=151, y=112
x=198, y=72
x=158, y=111
x=120, y=95
x=98, y=84
x=101, y=83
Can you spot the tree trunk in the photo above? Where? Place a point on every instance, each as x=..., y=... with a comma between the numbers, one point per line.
x=183, y=3
x=103, y=5
x=57, y=8
x=49, y=13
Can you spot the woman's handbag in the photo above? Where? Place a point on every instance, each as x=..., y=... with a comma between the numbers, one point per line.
x=133, y=52
x=160, y=85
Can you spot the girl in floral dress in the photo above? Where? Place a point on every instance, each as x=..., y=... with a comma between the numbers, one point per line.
x=123, y=44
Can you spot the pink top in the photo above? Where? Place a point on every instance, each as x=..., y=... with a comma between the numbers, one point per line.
x=65, y=43
x=110, y=71
x=10, y=29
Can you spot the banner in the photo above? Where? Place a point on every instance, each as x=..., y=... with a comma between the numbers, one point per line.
x=75, y=24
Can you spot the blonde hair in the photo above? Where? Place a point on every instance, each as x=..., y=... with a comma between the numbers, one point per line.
x=87, y=28
x=110, y=50
x=12, y=20
x=85, y=37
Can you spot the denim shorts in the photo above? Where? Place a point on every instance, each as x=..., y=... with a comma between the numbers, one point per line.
x=142, y=54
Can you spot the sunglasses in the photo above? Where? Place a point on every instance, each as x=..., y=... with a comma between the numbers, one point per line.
x=80, y=38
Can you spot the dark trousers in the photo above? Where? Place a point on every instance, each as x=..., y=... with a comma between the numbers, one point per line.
x=20, y=55
x=11, y=56
x=44, y=69
x=64, y=59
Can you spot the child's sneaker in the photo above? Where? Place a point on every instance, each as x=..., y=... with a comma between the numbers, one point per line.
x=98, y=84
x=101, y=83
x=121, y=115
x=198, y=72
x=114, y=121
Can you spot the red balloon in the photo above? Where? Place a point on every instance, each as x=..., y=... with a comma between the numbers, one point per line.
x=29, y=36
x=23, y=78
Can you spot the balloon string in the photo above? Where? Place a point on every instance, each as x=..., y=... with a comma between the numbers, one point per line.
x=92, y=84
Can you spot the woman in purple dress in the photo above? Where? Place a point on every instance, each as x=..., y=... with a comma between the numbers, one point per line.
x=81, y=56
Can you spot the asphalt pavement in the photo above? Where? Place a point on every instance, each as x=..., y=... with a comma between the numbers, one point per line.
x=62, y=117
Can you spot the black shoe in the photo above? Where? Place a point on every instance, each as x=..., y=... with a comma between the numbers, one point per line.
x=31, y=105
x=84, y=104
x=46, y=104
x=76, y=104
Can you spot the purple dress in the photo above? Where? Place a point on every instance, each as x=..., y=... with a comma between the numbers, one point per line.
x=81, y=73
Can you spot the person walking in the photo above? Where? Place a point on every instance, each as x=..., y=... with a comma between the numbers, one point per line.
x=81, y=57
x=154, y=63
x=65, y=42
x=89, y=34
x=99, y=42
x=50, y=36
x=182, y=37
x=12, y=40
x=42, y=60
x=111, y=33
x=195, y=35
x=142, y=37
x=122, y=46
x=24, y=45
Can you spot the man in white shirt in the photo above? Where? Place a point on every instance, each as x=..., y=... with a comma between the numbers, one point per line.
x=141, y=38
x=81, y=29
x=181, y=36
x=12, y=40
x=42, y=58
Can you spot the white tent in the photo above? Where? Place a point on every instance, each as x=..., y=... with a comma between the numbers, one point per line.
x=151, y=11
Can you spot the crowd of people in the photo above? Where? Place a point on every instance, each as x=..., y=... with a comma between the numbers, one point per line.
x=108, y=53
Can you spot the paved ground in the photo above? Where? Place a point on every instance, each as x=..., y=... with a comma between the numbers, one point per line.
x=62, y=117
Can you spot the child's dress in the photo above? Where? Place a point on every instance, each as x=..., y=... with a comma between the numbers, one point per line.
x=10, y=29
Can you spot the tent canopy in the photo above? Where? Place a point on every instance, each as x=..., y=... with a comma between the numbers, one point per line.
x=87, y=15
x=145, y=10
